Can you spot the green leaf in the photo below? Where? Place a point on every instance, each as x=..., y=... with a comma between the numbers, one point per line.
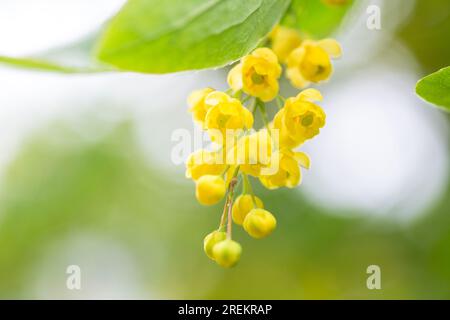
x=156, y=36
x=435, y=88
x=73, y=58
x=315, y=18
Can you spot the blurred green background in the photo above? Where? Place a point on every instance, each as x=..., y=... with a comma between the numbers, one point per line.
x=136, y=230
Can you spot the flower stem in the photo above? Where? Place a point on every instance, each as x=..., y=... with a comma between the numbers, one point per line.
x=283, y=99
x=280, y=102
x=246, y=99
x=225, y=171
x=262, y=109
x=223, y=218
x=229, y=203
x=245, y=189
x=229, y=220
x=252, y=106
x=249, y=187
x=233, y=183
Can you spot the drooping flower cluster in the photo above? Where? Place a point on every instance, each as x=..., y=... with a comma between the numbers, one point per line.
x=240, y=152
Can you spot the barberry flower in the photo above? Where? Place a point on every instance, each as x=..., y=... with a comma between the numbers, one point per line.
x=225, y=113
x=259, y=223
x=283, y=41
x=300, y=119
x=210, y=189
x=197, y=106
x=257, y=74
x=288, y=172
x=203, y=162
x=211, y=240
x=227, y=253
x=243, y=205
x=252, y=152
x=266, y=154
x=311, y=62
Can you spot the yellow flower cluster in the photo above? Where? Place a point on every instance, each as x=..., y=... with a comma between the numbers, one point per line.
x=307, y=61
x=241, y=152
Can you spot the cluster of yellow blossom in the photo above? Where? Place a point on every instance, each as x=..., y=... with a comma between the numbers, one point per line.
x=307, y=61
x=266, y=154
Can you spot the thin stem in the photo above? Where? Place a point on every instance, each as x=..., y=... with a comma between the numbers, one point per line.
x=223, y=218
x=233, y=184
x=281, y=97
x=262, y=109
x=229, y=202
x=245, y=189
x=252, y=106
x=225, y=171
x=250, y=188
x=279, y=102
x=238, y=94
x=229, y=220
x=246, y=99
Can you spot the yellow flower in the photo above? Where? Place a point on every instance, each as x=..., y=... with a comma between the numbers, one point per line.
x=204, y=162
x=300, y=119
x=311, y=62
x=243, y=205
x=210, y=189
x=284, y=41
x=197, y=106
x=227, y=253
x=287, y=173
x=211, y=240
x=225, y=113
x=251, y=152
x=259, y=223
x=257, y=74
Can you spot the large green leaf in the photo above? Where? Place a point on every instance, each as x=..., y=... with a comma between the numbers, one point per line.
x=73, y=58
x=435, y=88
x=156, y=36
x=316, y=18
x=166, y=36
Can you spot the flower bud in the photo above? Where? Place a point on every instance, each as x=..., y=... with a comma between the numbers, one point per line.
x=210, y=189
x=211, y=240
x=259, y=223
x=227, y=253
x=242, y=206
x=284, y=41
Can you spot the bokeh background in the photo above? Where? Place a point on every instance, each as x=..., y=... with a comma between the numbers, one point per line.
x=86, y=176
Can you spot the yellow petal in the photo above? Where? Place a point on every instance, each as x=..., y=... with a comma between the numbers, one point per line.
x=215, y=98
x=291, y=166
x=296, y=78
x=248, y=118
x=303, y=159
x=331, y=46
x=311, y=95
x=235, y=77
x=266, y=54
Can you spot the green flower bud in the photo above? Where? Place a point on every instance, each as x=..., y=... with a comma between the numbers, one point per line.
x=227, y=253
x=211, y=240
x=259, y=223
x=242, y=206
